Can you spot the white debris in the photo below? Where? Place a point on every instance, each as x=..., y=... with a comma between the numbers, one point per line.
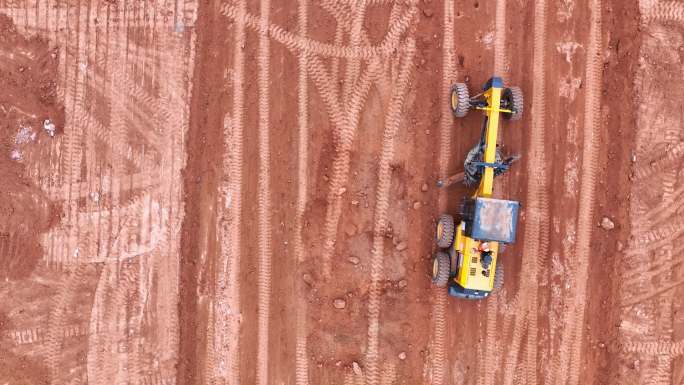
x=16, y=155
x=402, y=356
x=357, y=368
x=25, y=135
x=339, y=303
x=49, y=127
x=95, y=196
x=607, y=224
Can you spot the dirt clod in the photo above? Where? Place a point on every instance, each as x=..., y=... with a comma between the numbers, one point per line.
x=607, y=223
x=339, y=303
x=308, y=279
x=356, y=368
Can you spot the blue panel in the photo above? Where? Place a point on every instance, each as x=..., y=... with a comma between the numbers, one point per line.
x=493, y=82
x=495, y=220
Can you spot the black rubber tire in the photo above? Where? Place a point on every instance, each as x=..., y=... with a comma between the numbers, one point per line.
x=441, y=269
x=459, y=100
x=515, y=101
x=499, y=276
x=446, y=238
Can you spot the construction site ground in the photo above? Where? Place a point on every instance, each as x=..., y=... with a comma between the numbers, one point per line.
x=244, y=192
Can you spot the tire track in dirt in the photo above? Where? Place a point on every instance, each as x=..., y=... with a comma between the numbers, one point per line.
x=264, y=200
x=590, y=152
x=294, y=42
x=223, y=362
x=655, y=348
x=301, y=357
x=392, y=122
x=665, y=11
x=535, y=243
x=66, y=290
x=342, y=159
x=353, y=97
x=541, y=190
x=439, y=363
x=669, y=160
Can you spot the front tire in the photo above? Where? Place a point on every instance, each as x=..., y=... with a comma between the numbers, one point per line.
x=441, y=269
x=444, y=235
x=514, y=101
x=460, y=100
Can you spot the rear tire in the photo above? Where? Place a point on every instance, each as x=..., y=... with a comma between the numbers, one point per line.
x=514, y=99
x=499, y=276
x=460, y=100
x=441, y=269
x=444, y=234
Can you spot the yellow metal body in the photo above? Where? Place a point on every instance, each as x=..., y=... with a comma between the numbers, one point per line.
x=466, y=254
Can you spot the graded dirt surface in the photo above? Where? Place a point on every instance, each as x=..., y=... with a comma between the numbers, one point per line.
x=244, y=192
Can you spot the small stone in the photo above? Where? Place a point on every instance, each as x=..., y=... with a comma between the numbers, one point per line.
x=338, y=363
x=601, y=345
x=607, y=224
x=341, y=191
x=428, y=12
x=403, y=283
x=339, y=303
x=353, y=260
x=308, y=279
x=402, y=246
x=357, y=368
x=424, y=187
x=15, y=155
x=416, y=205
x=402, y=356
x=49, y=127
x=355, y=203
x=620, y=246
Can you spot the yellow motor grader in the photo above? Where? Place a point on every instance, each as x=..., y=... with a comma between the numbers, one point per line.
x=468, y=258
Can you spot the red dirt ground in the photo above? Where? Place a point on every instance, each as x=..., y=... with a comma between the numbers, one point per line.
x=241, y=196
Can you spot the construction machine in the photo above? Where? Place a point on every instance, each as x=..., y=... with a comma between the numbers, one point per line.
x=467, y=261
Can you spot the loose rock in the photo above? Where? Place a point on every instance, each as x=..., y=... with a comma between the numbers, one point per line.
x=353, y=260
x=308, y=279
x=607, y=224
x=356, y=368
x=424, y=187
x=428, y=12
x=402, y=246
x=339, y=303
x=402, y=284
x=402, y=356
x=416, y=205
